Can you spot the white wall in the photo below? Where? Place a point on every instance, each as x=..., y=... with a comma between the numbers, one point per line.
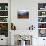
x=32, y=6
x=23, y=24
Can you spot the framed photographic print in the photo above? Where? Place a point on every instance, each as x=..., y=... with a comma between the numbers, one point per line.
x=4, y=29
x=23, y=14
x=3, y=19
x=41, y=6
x=41, y=25
x=42, y=32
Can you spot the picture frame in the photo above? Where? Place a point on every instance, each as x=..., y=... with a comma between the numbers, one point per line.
x=42, y=33
x=23, y=14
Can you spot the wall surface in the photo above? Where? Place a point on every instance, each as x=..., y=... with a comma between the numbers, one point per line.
x=23, y=24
